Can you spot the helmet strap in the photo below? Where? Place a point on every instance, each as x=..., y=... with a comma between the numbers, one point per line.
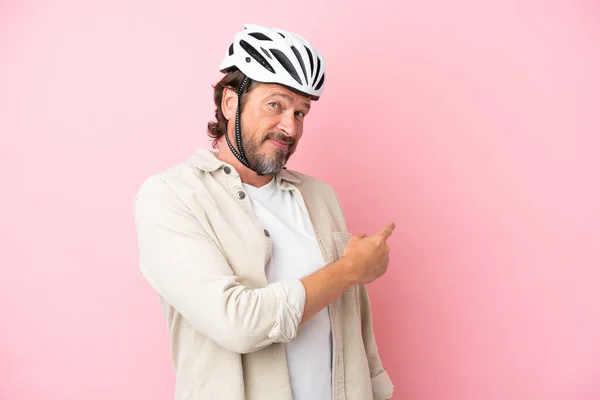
x=241, y=155
x=238, y=132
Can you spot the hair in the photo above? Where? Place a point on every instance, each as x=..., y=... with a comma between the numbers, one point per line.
x=231, y=80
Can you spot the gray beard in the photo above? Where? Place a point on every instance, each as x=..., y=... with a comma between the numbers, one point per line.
x=263, y=164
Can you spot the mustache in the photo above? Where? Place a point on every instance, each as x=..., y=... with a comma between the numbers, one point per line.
x=280, y=137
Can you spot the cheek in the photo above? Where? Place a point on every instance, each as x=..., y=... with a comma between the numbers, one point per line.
x=252, y=127
x=299, y=127
x=262, y=124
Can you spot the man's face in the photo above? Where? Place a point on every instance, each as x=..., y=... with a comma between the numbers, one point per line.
x=272, y=123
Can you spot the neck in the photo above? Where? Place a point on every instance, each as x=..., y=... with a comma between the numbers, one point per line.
x=247, y=175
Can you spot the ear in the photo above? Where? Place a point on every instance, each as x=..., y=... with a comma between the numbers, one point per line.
x=229, y=102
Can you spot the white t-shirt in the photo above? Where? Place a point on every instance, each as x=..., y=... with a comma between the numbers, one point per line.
x=296, y=254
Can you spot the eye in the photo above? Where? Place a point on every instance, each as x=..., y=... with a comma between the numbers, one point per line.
x=274, y=104
x=300, y=114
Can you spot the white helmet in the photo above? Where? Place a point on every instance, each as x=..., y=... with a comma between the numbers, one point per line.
x=277, y=56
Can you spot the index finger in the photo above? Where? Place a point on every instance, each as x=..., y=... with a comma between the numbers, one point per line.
x=387, y=231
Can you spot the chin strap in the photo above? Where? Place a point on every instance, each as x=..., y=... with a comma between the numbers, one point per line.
x=241, y=155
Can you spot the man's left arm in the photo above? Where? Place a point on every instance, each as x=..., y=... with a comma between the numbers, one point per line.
x=380, y=380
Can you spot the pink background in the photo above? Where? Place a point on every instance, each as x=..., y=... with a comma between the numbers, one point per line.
x=473, y=125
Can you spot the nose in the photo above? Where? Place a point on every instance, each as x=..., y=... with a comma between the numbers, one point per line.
x=288, y=124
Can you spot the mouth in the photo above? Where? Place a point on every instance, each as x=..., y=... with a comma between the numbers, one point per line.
x=280, y=144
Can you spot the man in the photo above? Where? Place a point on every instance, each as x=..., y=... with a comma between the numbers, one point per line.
x=260, y=281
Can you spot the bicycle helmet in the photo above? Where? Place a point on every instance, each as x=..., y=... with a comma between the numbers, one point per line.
x=277, y=56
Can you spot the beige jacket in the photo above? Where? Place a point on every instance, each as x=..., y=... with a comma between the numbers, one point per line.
x=203, y=250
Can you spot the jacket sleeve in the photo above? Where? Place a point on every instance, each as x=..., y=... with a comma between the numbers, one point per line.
x=188, y=270
x=380, y=380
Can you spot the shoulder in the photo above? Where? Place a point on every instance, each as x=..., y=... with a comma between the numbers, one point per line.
x=169, y=190
x=163, y=182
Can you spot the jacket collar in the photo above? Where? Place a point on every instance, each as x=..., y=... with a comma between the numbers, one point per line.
x=206, y=160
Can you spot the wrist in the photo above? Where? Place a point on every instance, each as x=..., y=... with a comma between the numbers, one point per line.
x=348, y=271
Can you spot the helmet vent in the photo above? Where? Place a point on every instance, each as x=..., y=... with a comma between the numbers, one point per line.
x=310, y=58
x=320, y=83
x=256, y=55
x=260, y=36
x=287, y=64
x=299, y=57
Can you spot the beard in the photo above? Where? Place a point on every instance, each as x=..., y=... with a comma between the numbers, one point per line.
x=268, y=164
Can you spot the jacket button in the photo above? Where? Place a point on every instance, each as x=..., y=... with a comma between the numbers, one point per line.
x=227, y=170
x=267, y=234
x=241, y=195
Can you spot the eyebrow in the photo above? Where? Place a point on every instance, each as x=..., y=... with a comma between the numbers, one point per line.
x=289, y=98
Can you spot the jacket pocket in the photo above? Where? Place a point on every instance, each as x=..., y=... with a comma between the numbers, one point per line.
x=340, y=241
